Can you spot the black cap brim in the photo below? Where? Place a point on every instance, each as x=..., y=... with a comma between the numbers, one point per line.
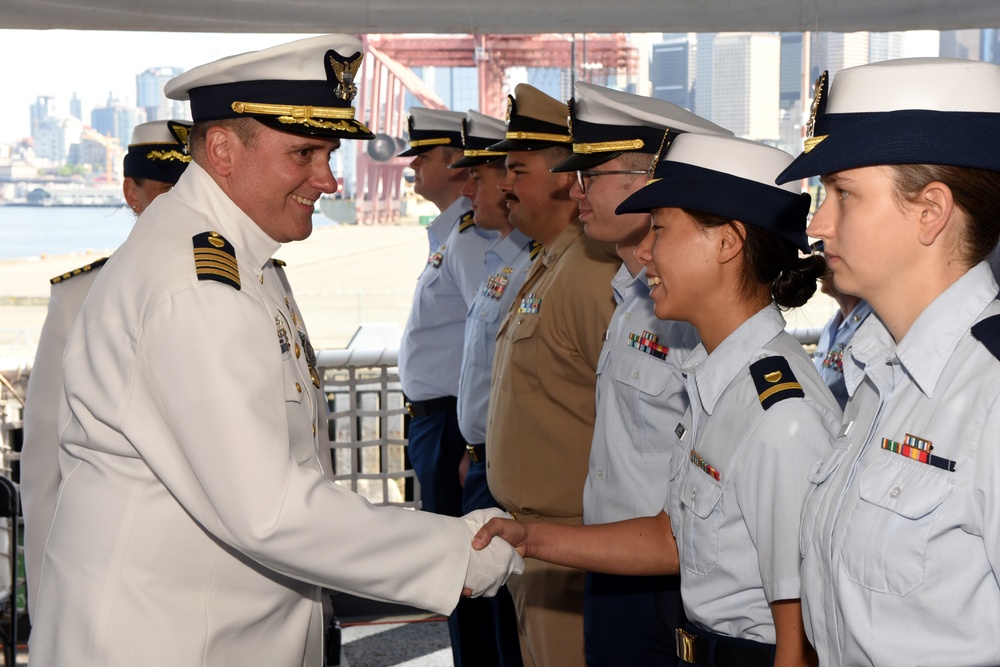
x=681, y=185
x=580, y=161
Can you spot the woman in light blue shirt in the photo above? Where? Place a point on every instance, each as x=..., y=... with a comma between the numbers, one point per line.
x=723, y=254
x=901, y=532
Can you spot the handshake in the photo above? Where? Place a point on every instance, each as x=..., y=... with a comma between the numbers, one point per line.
x=492, y=562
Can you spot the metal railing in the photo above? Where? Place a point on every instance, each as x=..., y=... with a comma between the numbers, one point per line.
x=367, y=425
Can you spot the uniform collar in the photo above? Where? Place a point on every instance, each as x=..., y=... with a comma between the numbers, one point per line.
x=441, y=226
x=713, y=373
x=252, y=244
x=565, y=239
x=928, y=345
x=510, y=247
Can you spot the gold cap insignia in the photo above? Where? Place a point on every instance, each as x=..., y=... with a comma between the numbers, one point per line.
x=344, y=71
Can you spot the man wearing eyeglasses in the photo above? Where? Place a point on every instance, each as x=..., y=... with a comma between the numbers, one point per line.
x=640, y=390
x=541, y=413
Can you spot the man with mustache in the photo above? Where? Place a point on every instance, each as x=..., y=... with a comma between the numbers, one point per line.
x=541, y=413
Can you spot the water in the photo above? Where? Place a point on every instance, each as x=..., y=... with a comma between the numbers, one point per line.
x=32, y=231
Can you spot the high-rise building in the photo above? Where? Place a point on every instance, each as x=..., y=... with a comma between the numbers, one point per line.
x=746, y=76
x=672, y=69
x=885, y=46
x=117, y=120
x=704, y=69
x=43, y=108
x=150, y=97
x=966, y=44
x=836, y=50
x=55, y=137
x=76, y=107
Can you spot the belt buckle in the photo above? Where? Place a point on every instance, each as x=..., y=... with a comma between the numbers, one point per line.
x=472, y=453
x=685, y=645
x=409, y=409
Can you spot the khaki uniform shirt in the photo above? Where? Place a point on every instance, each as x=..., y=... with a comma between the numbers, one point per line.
x=541, y=414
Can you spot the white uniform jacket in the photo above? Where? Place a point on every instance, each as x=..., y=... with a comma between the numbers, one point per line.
x=40, y=451
x=194, y=525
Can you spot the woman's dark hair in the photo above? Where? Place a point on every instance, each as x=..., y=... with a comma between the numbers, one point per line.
x=975, y=191
x=771, y=263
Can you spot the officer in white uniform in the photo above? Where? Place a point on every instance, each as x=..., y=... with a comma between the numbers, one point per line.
x=901, y=533
x=759, y=418
x=194, y=525
x=507, y=263
x=640, y=391
x=157, y=156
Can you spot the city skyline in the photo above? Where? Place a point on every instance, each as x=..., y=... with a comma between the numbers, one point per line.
x=106, y=65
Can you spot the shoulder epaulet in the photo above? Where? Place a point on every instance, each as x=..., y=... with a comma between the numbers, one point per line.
x=774, y=380
x=215, y=259
x=277, y=262
x=75, y=272
x=465, y=221
x=987, y=332
x=536, y=248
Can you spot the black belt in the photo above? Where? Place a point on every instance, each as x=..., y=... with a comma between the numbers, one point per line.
x=432, y=406
x=701, y=647
x=476, y=452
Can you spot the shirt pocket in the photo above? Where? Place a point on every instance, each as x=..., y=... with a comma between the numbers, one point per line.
x=524, y=359
x=887, y=533
x=820, y=474
x=642, y=381
x=700, y=498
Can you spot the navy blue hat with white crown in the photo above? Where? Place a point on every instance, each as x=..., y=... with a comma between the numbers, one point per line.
x=430, y=128
x=303, y=87
x=606, y=123
x=728, y=177
x=908, y=111
x=158, y=150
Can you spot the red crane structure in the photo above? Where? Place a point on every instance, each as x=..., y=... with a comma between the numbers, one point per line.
x=388, y=58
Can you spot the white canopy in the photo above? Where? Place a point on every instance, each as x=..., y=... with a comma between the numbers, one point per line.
x=506, y=16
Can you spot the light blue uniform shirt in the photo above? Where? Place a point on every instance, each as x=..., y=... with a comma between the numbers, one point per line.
x=829, y=355
x=507, y=263
x=737, y=532
x=901, y=557
x=640, y=399
x=430, y=351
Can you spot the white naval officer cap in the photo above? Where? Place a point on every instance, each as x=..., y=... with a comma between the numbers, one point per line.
x=728, y=177
x=430, y=128
x=302, y=87
x=158, y=150
x=479, y=132
x=606, y=123
x=906, y=111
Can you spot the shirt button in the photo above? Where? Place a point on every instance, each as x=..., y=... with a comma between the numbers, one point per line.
x=600, y=472
x=694, y=494
x=297, y=350
x=895, y=491
x=628, y=316
x=298, y=387
x=314, y=429
x=635, y=375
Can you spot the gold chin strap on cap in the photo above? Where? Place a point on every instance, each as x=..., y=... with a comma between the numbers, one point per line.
x=609, y=146
x=303, y=115
x=474, y=153
x=540, y=136
x=441, y=141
